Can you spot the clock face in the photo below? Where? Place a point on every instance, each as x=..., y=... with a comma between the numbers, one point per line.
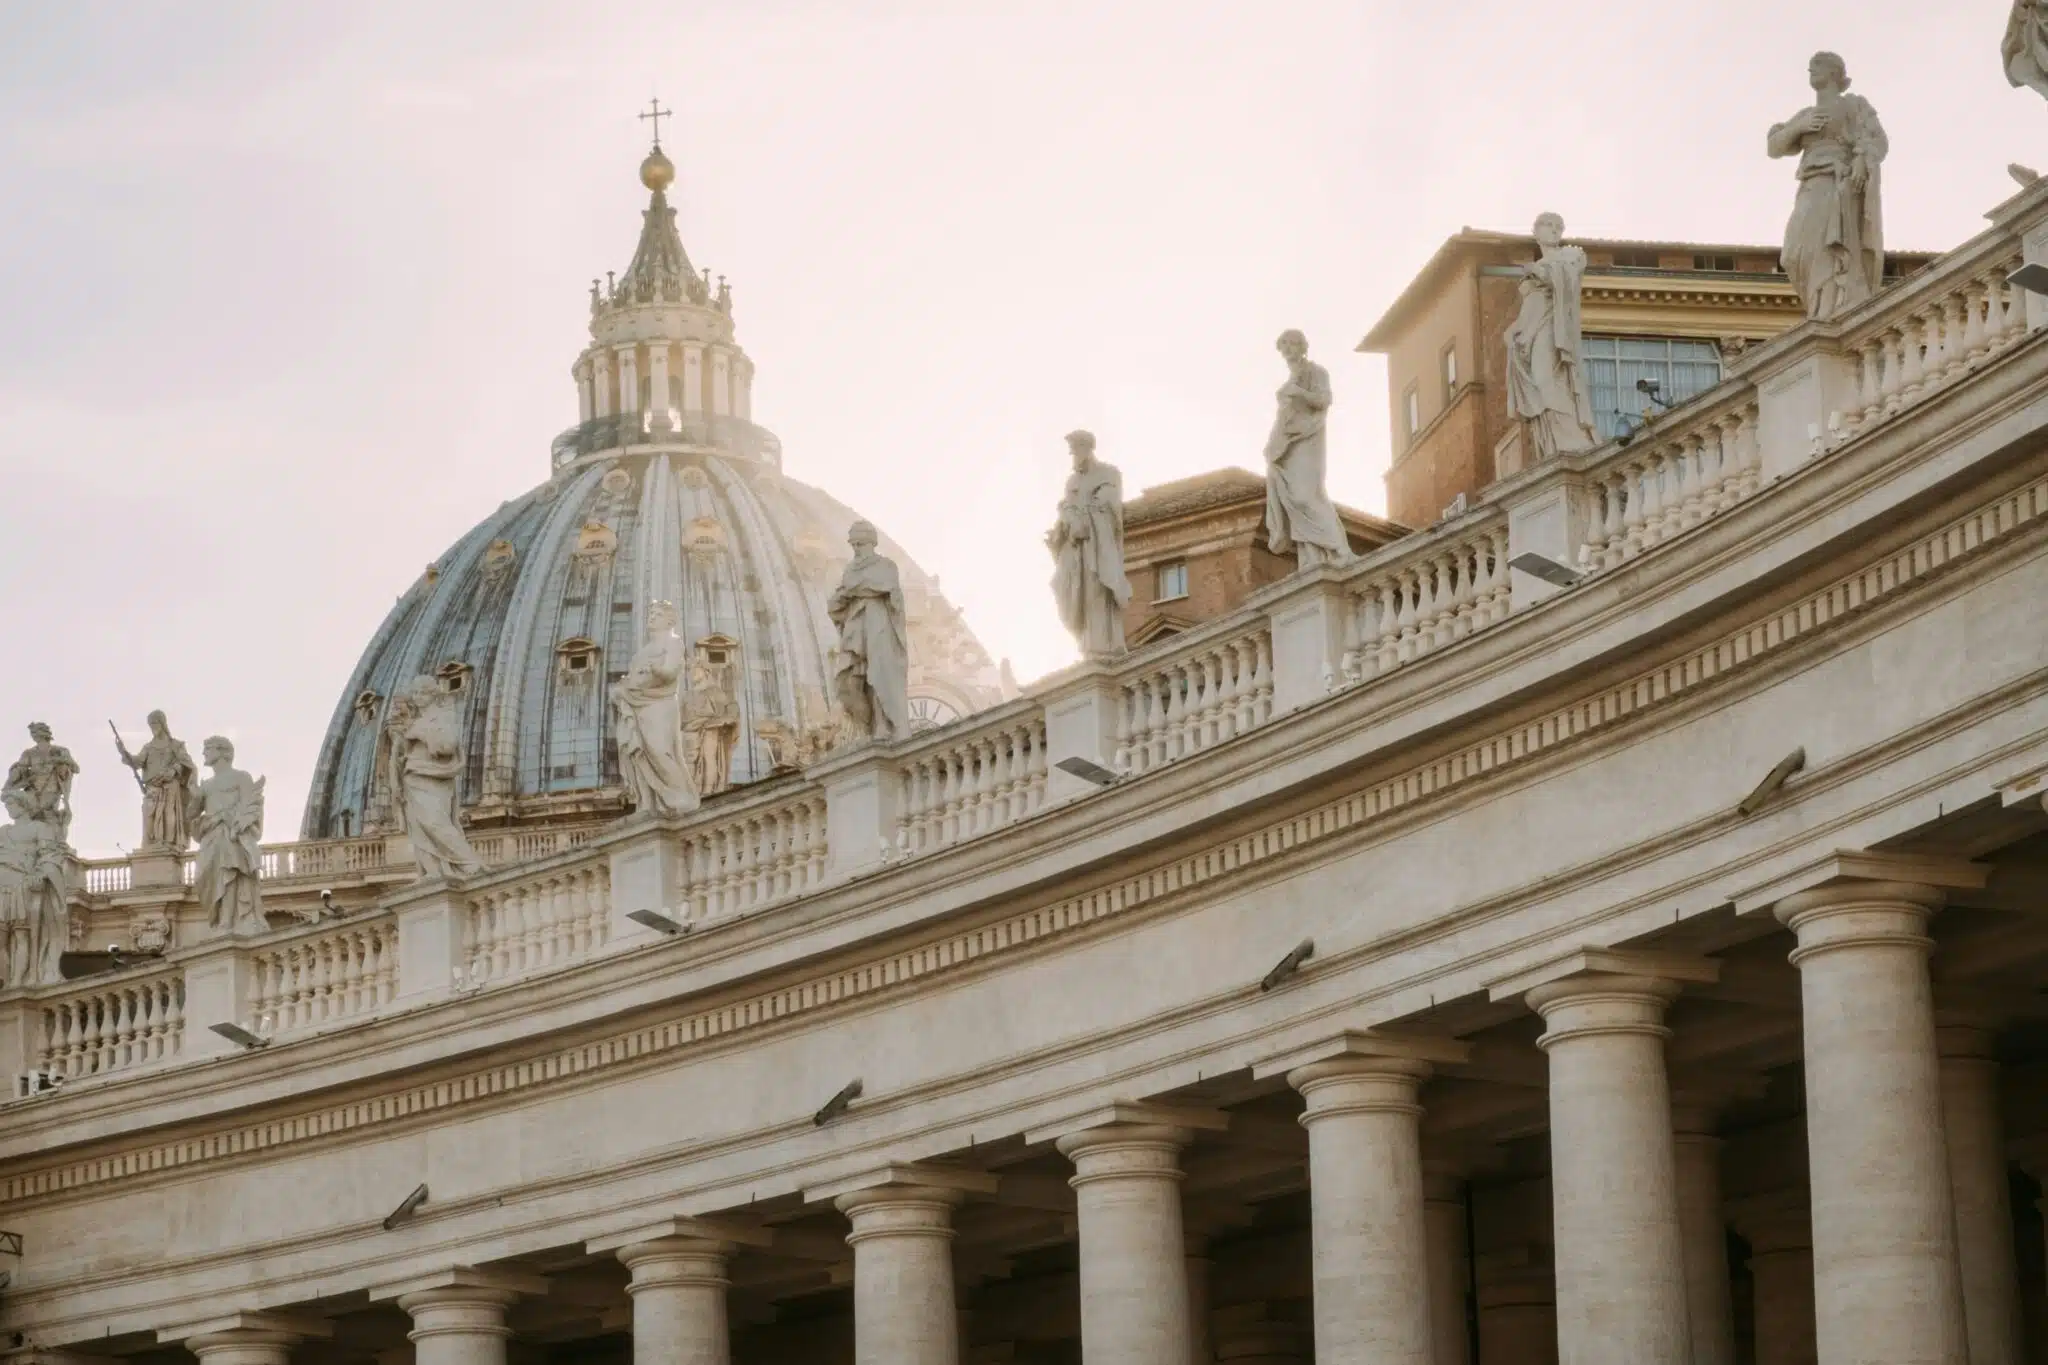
x=929, y=713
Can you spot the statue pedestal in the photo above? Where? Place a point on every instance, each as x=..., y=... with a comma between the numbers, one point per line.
x=217, y=982
x=156, y=867
x=431, y=920
x=1080, y=722
x=862, y=787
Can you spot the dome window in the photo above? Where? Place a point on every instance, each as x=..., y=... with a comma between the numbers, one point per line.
x=453, y=676
x=578, y=656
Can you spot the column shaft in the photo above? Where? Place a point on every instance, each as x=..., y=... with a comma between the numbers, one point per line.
x=1444, y=1233
x=1974, y=1132
x=1621, y=1289
x=1704, y=1232
x=904, y=1312
x=1134, y=1291
x=1886, y=1286
x=1369, y=1248
x=678, y=1292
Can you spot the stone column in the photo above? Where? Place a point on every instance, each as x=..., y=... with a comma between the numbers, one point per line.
x=1621, y=1287
x=657, y=383
x=1201, y=1350
x=629, y=379
x=1781, y=1277
x=678, y=1287
x=458, y=1315
x=1517, y=1307
x=1134, y=1287
x=1444, y=1234
x=1886, y=1283
x=905, y=1309
x=1703, y=1225
x=247, y=1338
x=693, y=376
x=1973, y=1131
x=1371, y=1260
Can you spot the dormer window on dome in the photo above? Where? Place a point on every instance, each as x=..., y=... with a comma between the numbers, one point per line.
x=577, y=656
x=453, y=675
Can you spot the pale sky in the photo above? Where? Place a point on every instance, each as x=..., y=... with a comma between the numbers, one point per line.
x=288, y=293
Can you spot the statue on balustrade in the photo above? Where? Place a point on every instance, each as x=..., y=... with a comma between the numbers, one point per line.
x=166, y=773
x=35, y=914
x=1546, y=382
x=423, y=727
x=226, y=813
x=647, y=710
x=872, y=664
x=1087, y=544
x=1299, y=514
x=711, y=713
x=43, y=776
x=1834, y=243
x=2025, y=48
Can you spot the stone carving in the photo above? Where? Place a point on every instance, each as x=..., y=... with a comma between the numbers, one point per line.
x=1087, y=544
x=872, y=667
x=166, y=772
x=226, y=814
x=43, y=776
x=648, y=709
x=1834, y=243
x=423, y=729
x=711, y=713
x=35, y=916
x=2025, y=48
x=821, y=730
x=1546, y=384
x=1299, y=514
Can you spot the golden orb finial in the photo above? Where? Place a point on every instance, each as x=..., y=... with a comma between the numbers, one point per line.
x=657, y=172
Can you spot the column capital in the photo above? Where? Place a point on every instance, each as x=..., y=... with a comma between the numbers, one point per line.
x=729, y=1232
x=1594, y=991
x=1123, y=1115
x=1850, y=867
x=459, y=1288
x=941, y=1181
x=1591, y=967
x=246, y=1329
x=1859, y=914
x=1364, y=1047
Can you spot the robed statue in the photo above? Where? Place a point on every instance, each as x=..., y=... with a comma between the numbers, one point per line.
x=711, y=714
x=43, y=776
x=648, y=715
x=35, y=915
x=423, y=729
x=1546, y=381
x=165, y=771
x=226, y=814
x=1087, y=544
x=872, y=664
x=1834, y=243
x=2025, y=48
x=1300, y=518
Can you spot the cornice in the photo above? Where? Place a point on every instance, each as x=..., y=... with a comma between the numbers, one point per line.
x=2013, y=519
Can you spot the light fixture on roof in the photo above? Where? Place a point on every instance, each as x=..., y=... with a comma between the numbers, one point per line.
x=407, y=1207
x=2032, y=277
x=1652, y=389
x=235, y=1033
x=654, y=919
x=1773, y=780
x=1289, y=965
x=1087, y=771
x=1551, y=571
x=838, y=1104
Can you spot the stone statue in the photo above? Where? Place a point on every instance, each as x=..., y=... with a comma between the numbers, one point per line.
x=711, y=714
x=1546, y=384
x=1299, y=514
x=1834, y=243
x=1087, y=544
x=2025, y=48
x=43, y=776
x=423, y=726
x=872, y=672
x=226, y=813
x=35, y=916
x=647, y=707
x=166, y=772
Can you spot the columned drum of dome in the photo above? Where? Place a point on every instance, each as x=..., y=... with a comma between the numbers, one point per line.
x=665, y=490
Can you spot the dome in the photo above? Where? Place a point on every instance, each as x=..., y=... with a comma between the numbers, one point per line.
x=534, y=613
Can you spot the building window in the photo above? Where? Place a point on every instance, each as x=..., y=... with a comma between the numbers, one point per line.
x=1411, y=409
x=1638, y=260
x=1614, y=366
x=1700, y=262
x=1172, y=581
x=1450, y=372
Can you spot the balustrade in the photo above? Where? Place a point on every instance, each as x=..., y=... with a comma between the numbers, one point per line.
x=548, y=920
x=1211, y=692
x=1653, y=489
x=113, y=1026
x=980, y=782
x=324, y=858
x=754, y=858
x=339, y=973
x=1435, y=596
x=1905, y=355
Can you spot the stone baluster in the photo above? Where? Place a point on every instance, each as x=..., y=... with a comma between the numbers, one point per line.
x=1955, y=347
x=1869, y=381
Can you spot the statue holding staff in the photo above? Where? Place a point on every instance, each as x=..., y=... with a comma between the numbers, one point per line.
x=165, y=772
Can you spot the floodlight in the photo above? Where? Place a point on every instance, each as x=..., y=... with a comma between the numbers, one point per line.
x=1088, y=771
x=837, y=1105
x=407, y=1207
x=1289, y=965
x=654, y=919
x=1776, y=778
x=235, y=1033
x=1544, y=567
x=2032, y=277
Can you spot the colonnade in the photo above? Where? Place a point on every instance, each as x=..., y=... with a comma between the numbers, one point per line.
x=1902, y=1254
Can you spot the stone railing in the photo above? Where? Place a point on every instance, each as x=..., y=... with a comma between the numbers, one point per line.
x=670, y=427
x=1412, y=599
x=512, y=847
x=330, y=857
x=106, y=876
x=323, y=975
x=548, y=918
x=1196, y=697
x=108, y=1026
x=1673, y=478
x=752, y=858
x=1934, y=331
x=978, y=780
